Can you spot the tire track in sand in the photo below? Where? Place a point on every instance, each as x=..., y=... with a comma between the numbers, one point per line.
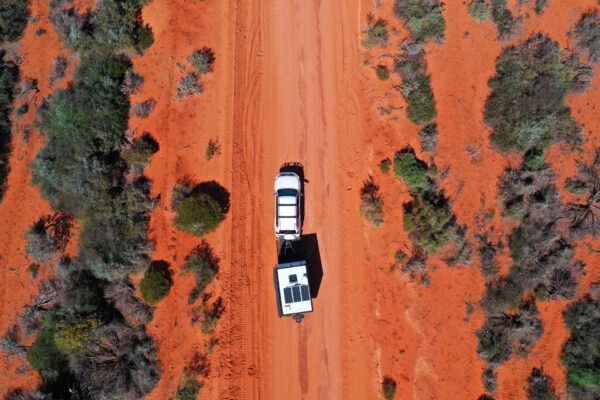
x=244, y=304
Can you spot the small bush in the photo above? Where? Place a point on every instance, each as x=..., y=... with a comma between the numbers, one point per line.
x=376, y=34
x=490, y=380
x=385, y=165
x=141, y=150
x=156, y=283
x=204, y=264
x=189, y=86
x=526, y=108
x=416, y=88
x=44, y=356
x=388, y=388
x=587, y=35
x=48, y=236
x=423, y=17
x=199, y=214
x=411, y=170
x=212, y=149
x=144, y=108
x=203, y=60
x=480, y=10
x=429, y=137
x=371, y=204
x=383, y=74
x=143, y=38
x=540, y=386
x=189, y=387
x=501, y=296
x=541, y=293
x=429, y=222
x=505, y=21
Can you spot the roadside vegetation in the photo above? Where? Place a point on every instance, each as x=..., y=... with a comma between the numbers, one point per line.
x=200, y=208
x=416, y=84
x=526, y=109
x=427, y=218
x=423, y=18
x=204, y=264
x=371, y=203
x=376, y=33
x=87, y=322
x=156, y=283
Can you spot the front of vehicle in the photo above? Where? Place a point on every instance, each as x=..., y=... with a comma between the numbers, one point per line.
x=288, y=224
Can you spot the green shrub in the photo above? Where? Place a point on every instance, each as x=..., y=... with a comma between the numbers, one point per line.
x=371, y=204
x=429, y=222
x=44, y=356
x=204, y=264
x=479, y=10
x=383, y=74
x=189, y=387
x=412, y=171
x=14, y=15
x=416, y=88
x=203, y=60
x=74, y=334
x=526, y=108
x=212, y=149
x=385, y=165
x=388, y=388
x=156, y=283
x=423, y=17
x=376, y=34
x=503, y=18
x=140, y=151
x=580, y=353
x=199, y=215
x=501, y=296
x=542, y=294
x=143, y=38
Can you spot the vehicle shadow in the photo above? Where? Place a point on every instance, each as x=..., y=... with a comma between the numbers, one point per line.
x=306, y=249
x=298, y=169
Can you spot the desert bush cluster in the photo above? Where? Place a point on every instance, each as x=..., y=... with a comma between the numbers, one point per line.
x=371, y=203
x=200, y=208
x=202, y=61
x=113, y=25
x=526, y=109
x=90, y=341
x=423, y=18
x=580, y=353
x=506, y=23
x=584, y=215
x=376, y=33
x=416, y=85
x=14, y=15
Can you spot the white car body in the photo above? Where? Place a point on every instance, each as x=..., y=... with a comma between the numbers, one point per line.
x=288, y=221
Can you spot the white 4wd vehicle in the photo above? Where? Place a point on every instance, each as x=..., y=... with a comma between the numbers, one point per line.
x=288, y=221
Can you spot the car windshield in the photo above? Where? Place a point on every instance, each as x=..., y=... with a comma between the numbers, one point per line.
x=287, y=192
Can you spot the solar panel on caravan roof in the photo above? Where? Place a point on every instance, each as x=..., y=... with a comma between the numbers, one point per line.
x=287, y=293
x=305, y=294
x=296, y=292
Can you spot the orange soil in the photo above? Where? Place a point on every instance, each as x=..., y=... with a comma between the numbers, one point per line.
x=288, y=86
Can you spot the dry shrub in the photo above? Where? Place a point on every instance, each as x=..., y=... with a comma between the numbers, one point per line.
x=144, y=108
x=371, y=204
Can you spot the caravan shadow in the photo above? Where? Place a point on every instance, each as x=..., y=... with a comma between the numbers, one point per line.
x=314, y=267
